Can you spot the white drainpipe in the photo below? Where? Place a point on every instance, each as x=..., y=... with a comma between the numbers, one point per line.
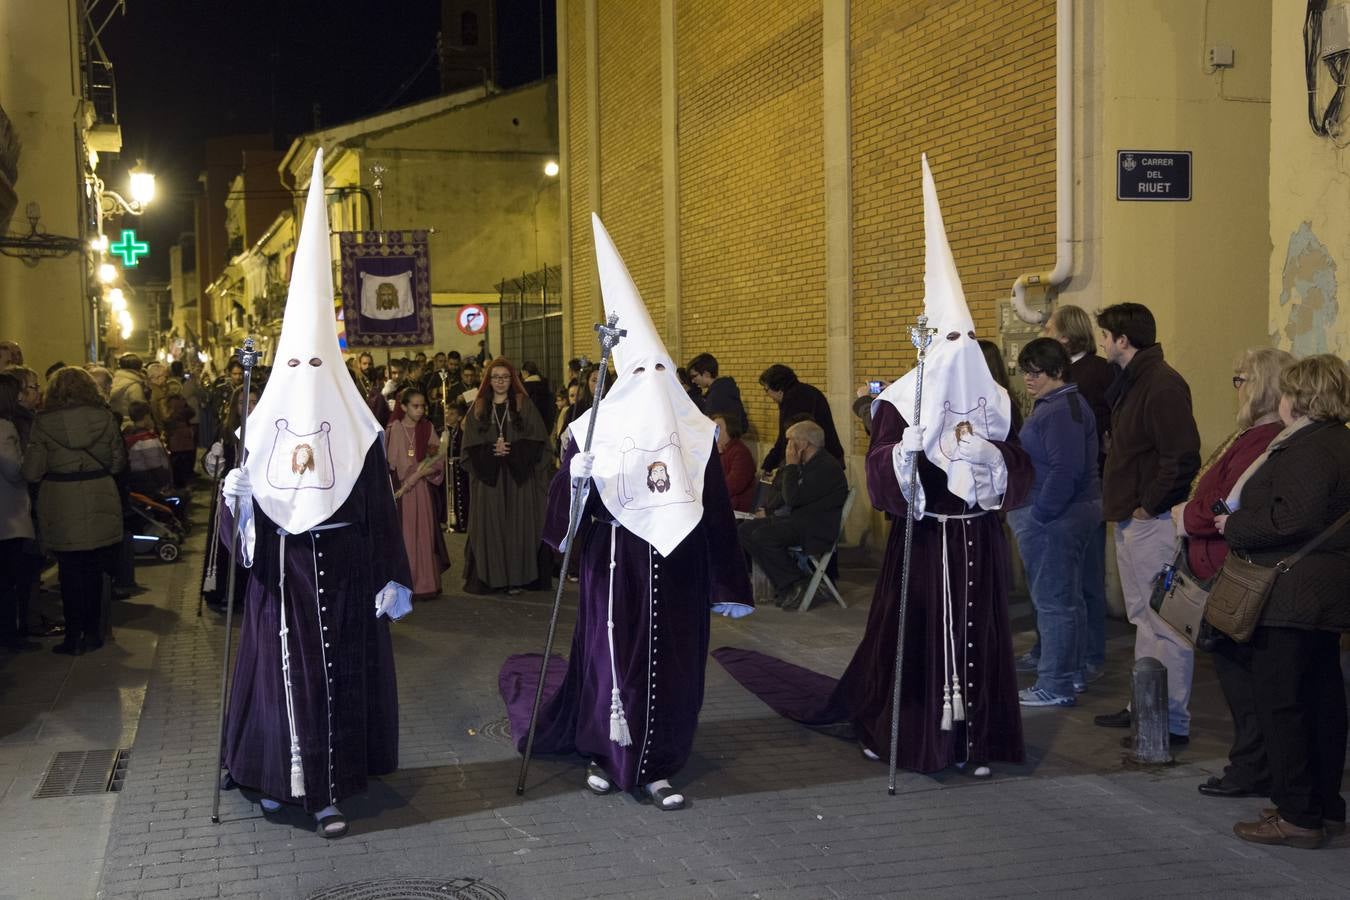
x=1063, y=176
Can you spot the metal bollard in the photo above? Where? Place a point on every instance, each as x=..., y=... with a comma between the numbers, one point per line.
x=1149, y=713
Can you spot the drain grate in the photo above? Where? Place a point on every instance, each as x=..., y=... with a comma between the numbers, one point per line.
x=73, y=773
x=412, y=889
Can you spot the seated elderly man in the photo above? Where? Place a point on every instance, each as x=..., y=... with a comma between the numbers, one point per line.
x=811, y=493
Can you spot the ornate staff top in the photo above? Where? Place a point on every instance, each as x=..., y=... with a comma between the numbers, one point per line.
x=609, y=333
x=921, y=335
x=248, y=356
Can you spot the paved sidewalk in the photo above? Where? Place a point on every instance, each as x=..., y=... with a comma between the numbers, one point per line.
x=777, y=810
x=50, y=703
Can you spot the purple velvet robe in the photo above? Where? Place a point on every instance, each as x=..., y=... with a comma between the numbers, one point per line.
x=661, y=626
x=342, y=661
x=979, y=572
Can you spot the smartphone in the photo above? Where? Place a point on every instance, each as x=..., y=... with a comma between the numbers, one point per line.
x=874, y=387
x=1220, y=508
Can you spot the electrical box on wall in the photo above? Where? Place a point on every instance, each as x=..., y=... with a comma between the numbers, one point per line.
x=1219, y=56
x=1014, y=334
x=1336, y=30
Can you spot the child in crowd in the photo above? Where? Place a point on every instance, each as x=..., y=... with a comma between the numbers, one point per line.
x=149, y=470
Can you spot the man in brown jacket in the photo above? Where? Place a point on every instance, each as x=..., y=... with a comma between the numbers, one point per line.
x=1153, y=455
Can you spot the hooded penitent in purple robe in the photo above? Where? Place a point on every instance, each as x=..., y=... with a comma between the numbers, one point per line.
x=978, y=569
x=342, y=663
x=661, y=615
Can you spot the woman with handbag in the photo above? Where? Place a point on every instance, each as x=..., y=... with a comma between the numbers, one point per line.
x=1257, y=379
x=75, y=451
x=1288, y=511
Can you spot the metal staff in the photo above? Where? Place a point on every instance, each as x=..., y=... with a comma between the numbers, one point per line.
x=209, y=576
x=921, y=336
x=248, y=357
x=610, y=334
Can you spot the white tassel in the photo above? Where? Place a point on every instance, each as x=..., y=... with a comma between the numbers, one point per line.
x=946, y=710
x=297, y=773
x=618, y=722
x=958, y=705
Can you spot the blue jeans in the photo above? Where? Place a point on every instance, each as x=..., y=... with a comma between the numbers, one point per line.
x=1053, y=555
x=1094, y=598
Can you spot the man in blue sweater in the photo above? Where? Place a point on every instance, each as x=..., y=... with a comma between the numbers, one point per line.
x=1053, y=529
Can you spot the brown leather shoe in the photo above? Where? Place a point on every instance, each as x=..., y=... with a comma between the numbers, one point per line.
x=1330, y=827
x=1274, y=830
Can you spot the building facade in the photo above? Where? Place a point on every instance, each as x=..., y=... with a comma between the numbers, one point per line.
x=758, y=166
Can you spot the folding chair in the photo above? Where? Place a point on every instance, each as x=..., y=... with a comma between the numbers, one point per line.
x=816, y=565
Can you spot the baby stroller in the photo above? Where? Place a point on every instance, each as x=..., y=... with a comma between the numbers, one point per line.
x=154, y=526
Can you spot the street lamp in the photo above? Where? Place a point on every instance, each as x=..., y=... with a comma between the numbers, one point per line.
x=107, y=273
x=142, y=190
x=142, y=184
x=551, y=169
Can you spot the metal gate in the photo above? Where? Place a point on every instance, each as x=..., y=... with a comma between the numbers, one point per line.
x=531, y=321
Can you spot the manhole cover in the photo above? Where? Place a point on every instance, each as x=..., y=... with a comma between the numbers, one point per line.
x=496, y=730
x=73, y=773
x=412, y=889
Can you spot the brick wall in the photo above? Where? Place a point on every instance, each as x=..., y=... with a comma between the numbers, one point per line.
x=752, y=207
x=630, y=146
x=585, y=300
x=972, y=84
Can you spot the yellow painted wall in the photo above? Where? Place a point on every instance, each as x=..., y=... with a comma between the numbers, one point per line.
x=972, y=83
x=1199, y=265
x=1309, y=207
x=44, y=307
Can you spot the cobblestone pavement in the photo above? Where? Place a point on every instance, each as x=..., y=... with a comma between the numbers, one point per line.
x=777, y=810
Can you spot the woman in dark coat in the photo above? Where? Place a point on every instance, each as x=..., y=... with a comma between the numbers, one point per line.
x=1299, y=488
x=74, y=451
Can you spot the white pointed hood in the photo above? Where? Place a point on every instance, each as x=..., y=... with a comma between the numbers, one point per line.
x=958, y=389
x=651, y=443
x=309, y=433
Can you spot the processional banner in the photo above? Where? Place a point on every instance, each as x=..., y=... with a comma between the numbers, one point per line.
x=386, y=288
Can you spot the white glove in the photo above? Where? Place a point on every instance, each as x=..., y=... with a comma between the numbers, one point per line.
x=975, y=449
x=388, y=390
x=582, y=464
x=237, y=487
x=912, y=440
x=214, y=460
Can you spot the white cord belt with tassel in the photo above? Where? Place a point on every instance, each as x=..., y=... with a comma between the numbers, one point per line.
x=953, y=705
x=618, y=721
x=297, y=767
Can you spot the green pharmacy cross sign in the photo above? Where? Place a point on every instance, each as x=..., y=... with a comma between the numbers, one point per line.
x=130, y=249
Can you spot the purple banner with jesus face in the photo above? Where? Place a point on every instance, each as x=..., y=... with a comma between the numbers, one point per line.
x=386, y=288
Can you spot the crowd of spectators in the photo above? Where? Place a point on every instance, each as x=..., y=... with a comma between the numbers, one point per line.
x=473, y=442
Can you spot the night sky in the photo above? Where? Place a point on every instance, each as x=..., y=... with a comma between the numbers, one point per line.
x=187, y=71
